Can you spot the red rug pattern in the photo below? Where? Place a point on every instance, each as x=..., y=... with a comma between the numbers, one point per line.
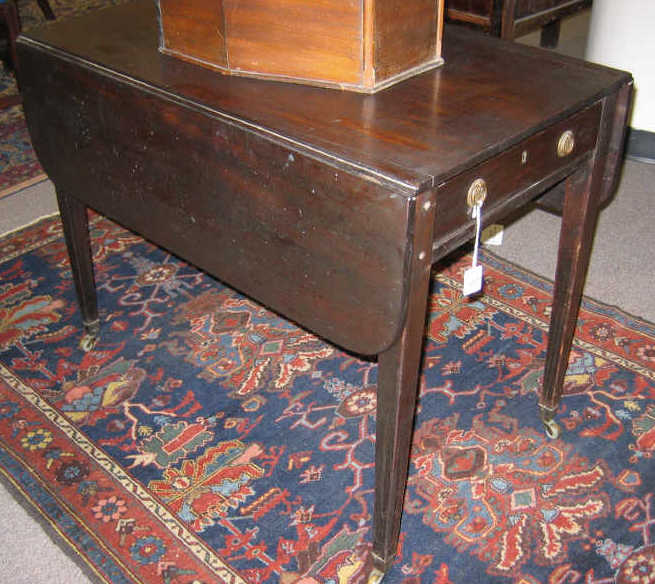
x=207, y=440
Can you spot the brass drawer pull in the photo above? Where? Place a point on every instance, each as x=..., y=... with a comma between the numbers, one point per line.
x=565, y=144
x=477, y=193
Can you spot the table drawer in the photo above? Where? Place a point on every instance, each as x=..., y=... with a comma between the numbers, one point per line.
x=511, y=173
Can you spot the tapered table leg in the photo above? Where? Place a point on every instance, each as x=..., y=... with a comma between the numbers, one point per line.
x=76, y=232
x=550, y=34
x=576, y=235
x=46, y=9
x=584, y=190
x=398, y=371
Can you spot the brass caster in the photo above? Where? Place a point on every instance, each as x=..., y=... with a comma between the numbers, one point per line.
x=375, y=577
x=552, y=429
x=90, y=337
x=87, y=342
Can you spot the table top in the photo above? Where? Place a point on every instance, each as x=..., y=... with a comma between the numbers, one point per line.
x=489, y=95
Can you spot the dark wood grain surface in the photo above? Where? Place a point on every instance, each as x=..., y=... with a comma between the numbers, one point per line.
x=486, y=97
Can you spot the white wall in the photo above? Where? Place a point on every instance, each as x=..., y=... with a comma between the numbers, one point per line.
x=622, y=35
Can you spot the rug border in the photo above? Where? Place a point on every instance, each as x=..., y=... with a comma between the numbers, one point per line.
x=18, y=187
x=198, y=548
x=52, y=532
x=33, y=223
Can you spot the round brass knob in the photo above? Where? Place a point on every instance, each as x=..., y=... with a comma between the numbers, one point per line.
x=477, y=193
x=565, y=144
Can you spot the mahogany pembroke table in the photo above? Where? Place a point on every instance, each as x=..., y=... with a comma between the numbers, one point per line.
x=328, y=206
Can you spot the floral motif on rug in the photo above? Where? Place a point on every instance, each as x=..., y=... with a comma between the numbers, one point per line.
x=205, y=439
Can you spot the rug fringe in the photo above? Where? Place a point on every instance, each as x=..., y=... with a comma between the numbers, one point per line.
x=13, y=189
x=30, y=224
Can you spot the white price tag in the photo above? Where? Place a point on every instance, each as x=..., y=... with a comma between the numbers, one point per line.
x=472, y=280
x=473, y=276
x=493, y=235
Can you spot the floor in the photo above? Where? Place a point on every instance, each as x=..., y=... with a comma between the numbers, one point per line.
x=620, y=274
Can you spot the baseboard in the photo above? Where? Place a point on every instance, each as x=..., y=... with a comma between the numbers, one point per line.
x=640, y=145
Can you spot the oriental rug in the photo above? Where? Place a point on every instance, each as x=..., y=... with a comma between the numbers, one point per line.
x=205, y=439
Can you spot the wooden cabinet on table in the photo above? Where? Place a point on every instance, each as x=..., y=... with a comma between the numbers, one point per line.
x=360, y=45
x=511, y=18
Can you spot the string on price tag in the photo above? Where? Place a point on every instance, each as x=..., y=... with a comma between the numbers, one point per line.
x=473, y=276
